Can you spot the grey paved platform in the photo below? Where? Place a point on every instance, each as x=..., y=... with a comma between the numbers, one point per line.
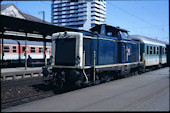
x=7, y=71
x=144, y=92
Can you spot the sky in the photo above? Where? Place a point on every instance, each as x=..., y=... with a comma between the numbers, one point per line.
x=140, y=17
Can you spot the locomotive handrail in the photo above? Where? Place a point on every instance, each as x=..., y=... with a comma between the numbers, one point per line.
x=94, y=66
x=84, y=66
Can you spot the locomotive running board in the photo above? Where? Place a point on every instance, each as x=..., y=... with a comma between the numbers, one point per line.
x=97, y=66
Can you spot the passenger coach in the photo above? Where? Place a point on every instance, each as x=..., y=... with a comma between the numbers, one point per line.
x=152, y=51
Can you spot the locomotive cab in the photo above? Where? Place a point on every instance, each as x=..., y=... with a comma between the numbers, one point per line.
x=67, y=58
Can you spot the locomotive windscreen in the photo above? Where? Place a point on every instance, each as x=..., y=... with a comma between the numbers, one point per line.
x=65, y=52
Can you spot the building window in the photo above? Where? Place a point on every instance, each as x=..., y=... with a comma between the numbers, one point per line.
x=6, y=49
x=32, y=49
x=14, y=49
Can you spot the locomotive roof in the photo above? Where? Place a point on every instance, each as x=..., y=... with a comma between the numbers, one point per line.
x=108, y=27
x=147, y=40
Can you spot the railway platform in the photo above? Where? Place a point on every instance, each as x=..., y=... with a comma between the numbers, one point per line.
x=19, y=72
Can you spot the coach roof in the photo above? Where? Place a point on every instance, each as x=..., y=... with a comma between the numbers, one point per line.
x=147, y=40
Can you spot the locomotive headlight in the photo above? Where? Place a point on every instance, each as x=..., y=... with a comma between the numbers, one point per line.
x=77, y=61
x=63, y=73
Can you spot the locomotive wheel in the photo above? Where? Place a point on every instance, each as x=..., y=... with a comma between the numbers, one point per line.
x=136, y=72
x=126, y=75
x=79, y=82
x=106, y=78
x=97, y=80
x=58, y=81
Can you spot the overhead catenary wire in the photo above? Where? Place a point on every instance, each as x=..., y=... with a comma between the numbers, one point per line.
x=132, y=15
x=158, y=27
x=148, y=11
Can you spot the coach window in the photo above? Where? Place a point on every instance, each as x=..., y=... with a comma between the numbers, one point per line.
x=14, y=49
x=147, y=50
x=23, y=49
x=154, y=50
x=32, y=49
x=165, y=51
x=150, y=50
x=6, y=49
x=48, y=50
x=157, y=50
x=40, y=50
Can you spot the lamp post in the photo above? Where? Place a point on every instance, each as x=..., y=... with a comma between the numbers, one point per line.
x=43, y=12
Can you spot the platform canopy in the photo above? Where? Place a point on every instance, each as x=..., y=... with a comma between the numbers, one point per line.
x=21, y=29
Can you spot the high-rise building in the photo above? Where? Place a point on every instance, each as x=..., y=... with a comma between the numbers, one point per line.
x=81, y=14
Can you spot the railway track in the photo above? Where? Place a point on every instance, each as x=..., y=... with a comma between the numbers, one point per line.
x=42, y=91
x=25, y=99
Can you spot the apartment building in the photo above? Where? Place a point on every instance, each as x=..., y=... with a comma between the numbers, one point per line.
x=81, y=14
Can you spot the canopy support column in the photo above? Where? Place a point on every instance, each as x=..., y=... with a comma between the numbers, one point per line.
x=26, y=52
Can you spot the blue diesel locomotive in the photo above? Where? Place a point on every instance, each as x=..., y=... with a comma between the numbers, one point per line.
x=83, y=58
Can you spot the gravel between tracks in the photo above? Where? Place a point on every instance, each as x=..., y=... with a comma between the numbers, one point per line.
x=20, y=90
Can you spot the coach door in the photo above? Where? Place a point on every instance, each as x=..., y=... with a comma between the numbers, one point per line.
x=160, y=54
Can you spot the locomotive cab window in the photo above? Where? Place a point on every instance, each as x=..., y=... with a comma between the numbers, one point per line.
x=14, y=49
x=124, y=35
x=109, y=33
x=6, y=49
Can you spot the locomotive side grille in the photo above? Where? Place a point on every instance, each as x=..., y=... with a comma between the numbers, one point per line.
x=65, y=52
